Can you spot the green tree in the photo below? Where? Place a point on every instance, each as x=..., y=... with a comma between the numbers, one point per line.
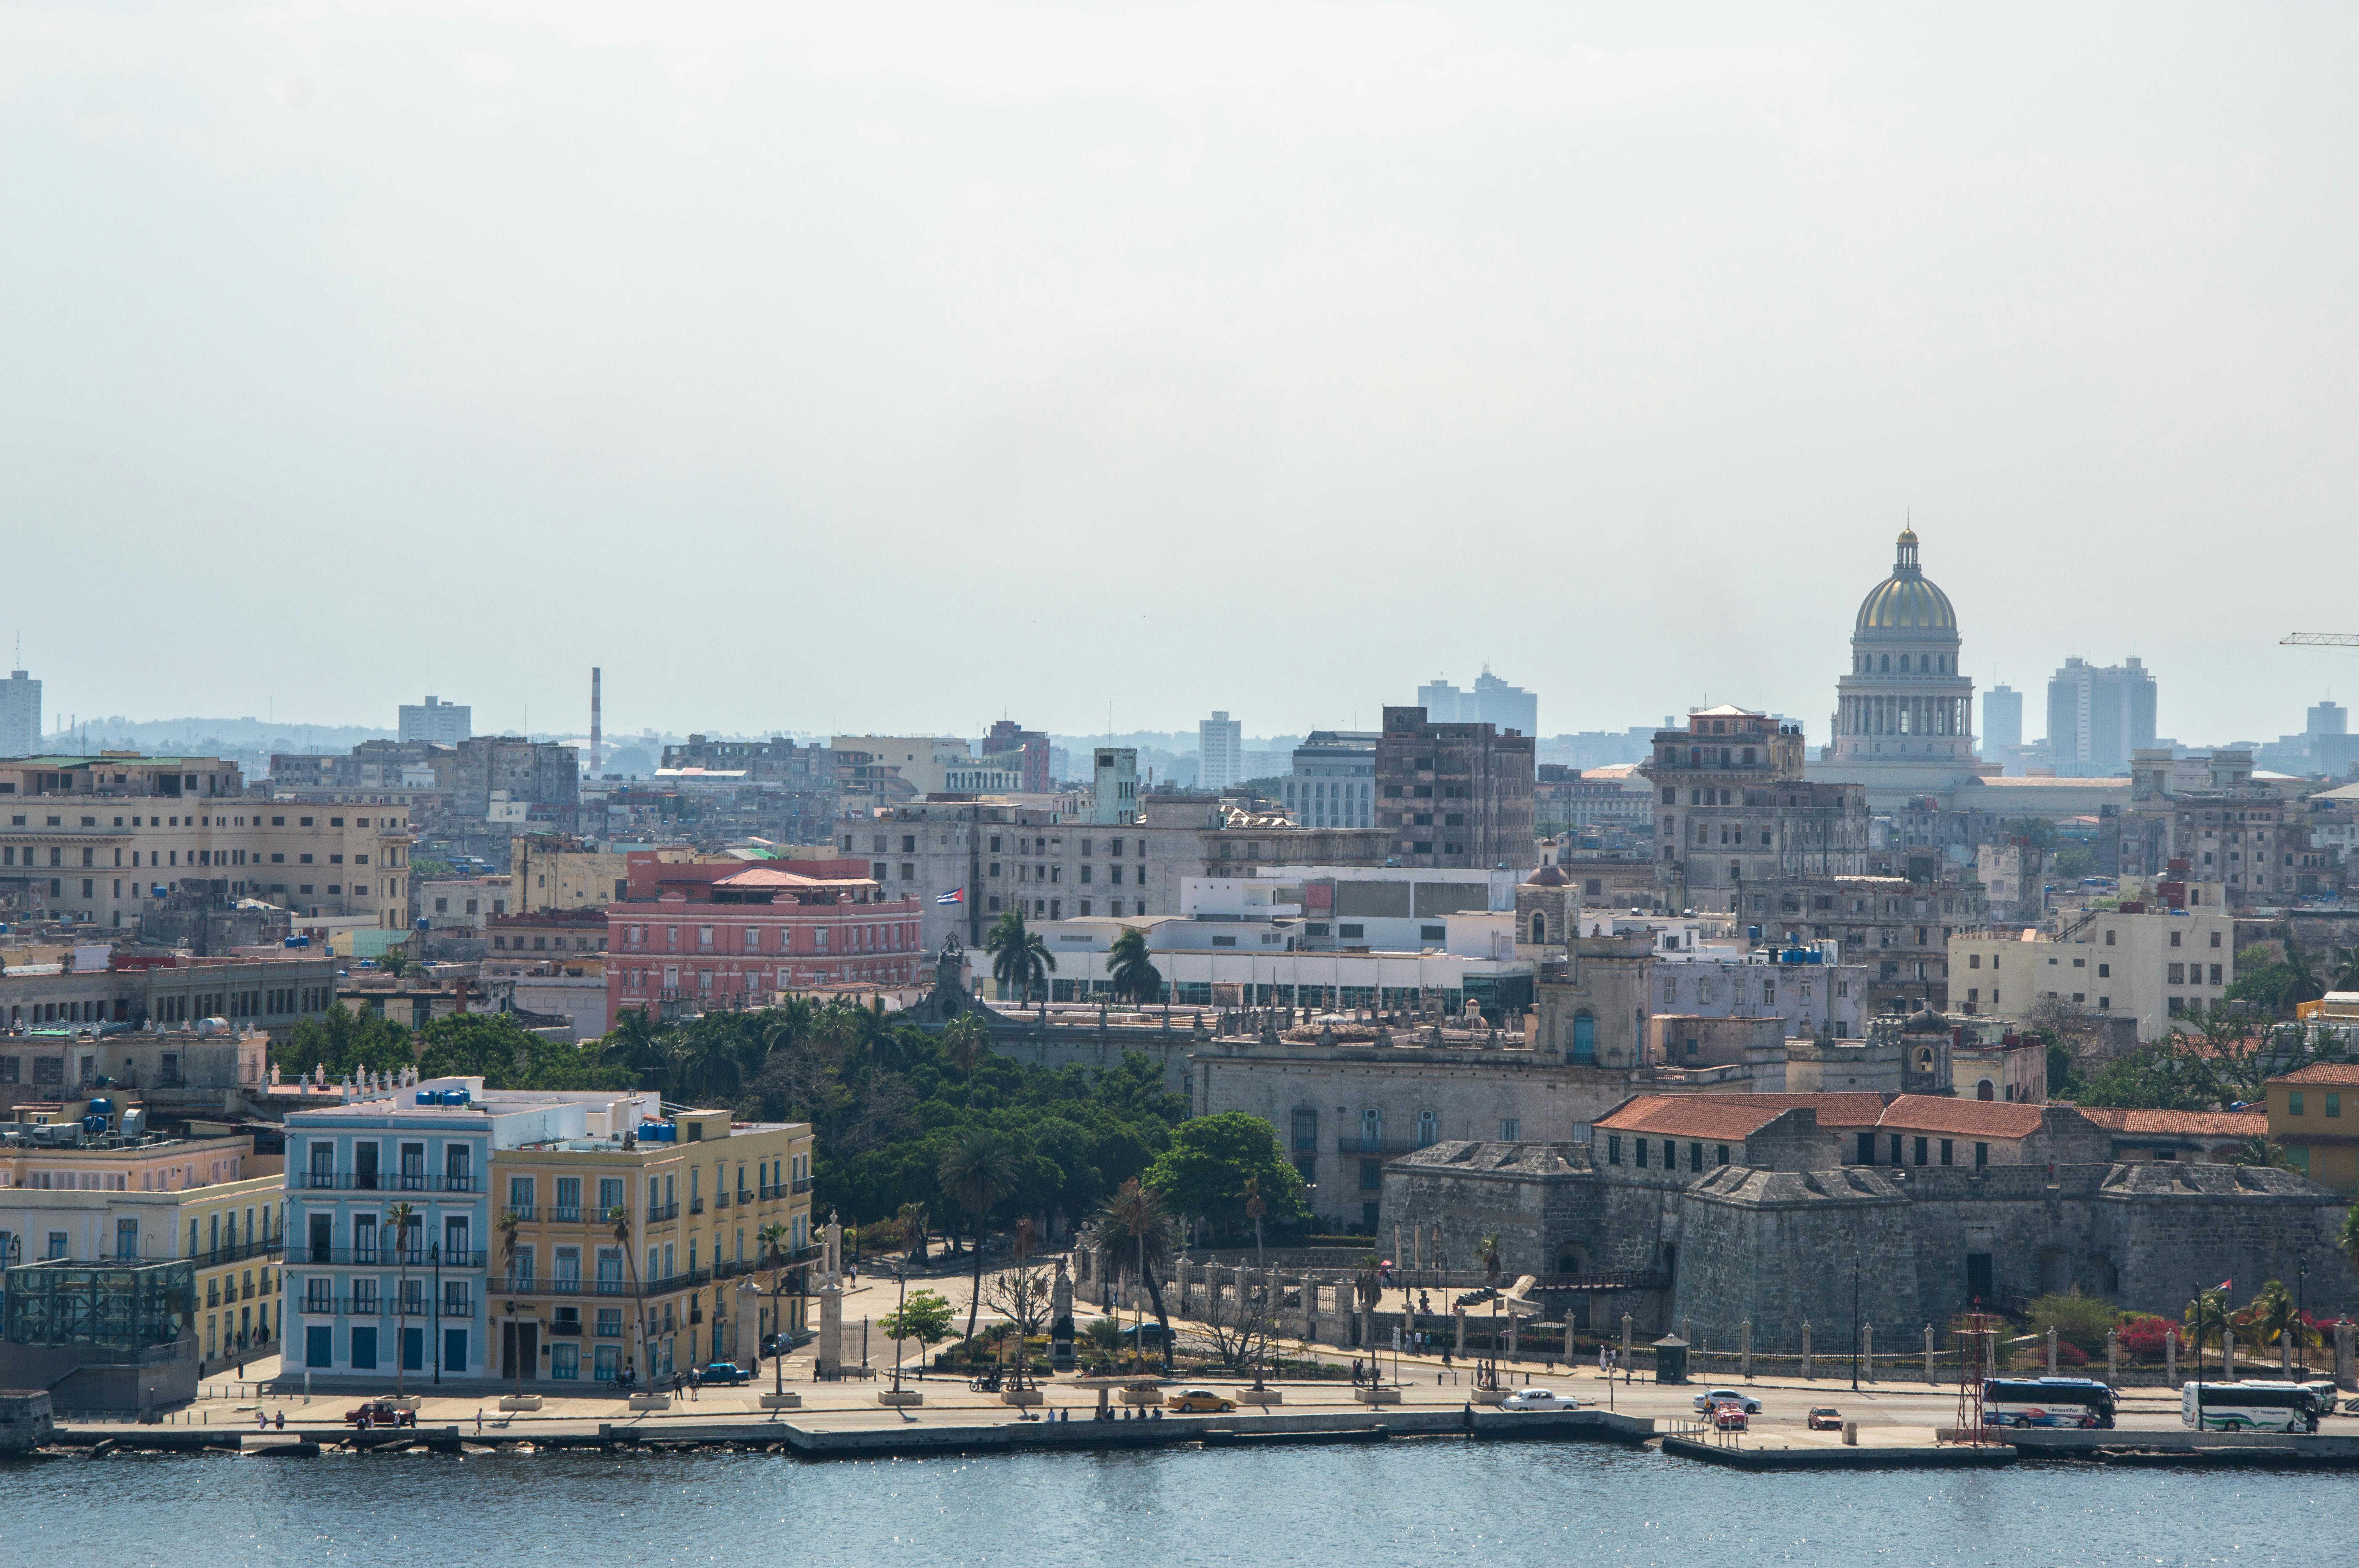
x=343, y=1042
x=978, y=1172
x=1205, y=1171
x=2347, y=1238
x=1018, y=957
x=637, y=1047
x=2074, y=862
x=924, y=1318
x=968, y=1041
x=1132, y=974
x=2259, y=1150
x=1137, y=1229
x=400, y=1218
x=2271, y=1317
x=2079, y=1320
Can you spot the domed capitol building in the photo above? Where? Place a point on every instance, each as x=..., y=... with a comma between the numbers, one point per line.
x=1904, y=718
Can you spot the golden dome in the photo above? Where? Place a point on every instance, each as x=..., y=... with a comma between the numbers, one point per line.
x=1905, y=601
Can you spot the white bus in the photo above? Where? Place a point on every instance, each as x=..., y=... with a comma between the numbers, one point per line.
x=2246, y=1407
x=2047, y=1401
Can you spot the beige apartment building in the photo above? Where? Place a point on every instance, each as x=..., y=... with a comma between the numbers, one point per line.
x=551, y=872
x=691, y=1193
x=2151, y=967
x=92, y=837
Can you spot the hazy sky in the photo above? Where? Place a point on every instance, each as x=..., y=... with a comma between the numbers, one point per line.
x=895, y=366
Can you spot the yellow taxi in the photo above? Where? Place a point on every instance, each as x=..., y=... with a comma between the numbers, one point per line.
x=1199, y=1402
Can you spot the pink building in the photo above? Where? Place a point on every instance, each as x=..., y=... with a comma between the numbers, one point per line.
x=731, y=934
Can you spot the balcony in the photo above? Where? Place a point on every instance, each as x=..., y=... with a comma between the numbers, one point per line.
x=458, y=1308
x=719, y=1200
x=804, y=1183
x=658, y=1216
x=769, y=1190
x=385, y=1258
x=379, y=1181
x=238, y=1254
x=529, y=1214
x=695, y=1205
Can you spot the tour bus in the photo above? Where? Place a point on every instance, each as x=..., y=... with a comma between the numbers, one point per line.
x=2241, y=1407
x=2047, y=1401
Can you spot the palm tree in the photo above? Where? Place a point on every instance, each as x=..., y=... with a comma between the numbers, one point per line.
x=2274, y=1319
x=2207, y=1319
x=912, y=1217
x=708, y=1060
x=619, y=1217
x=2343, y=969
x=1018, y=957
x=1136, y=1213
x=772, y=1237
x=637, y=1044
x=2347, y=1238
x=1134, y=978
x=968, y=1043
x=506, y=1225
x=978, y=1174
x=399, y=1217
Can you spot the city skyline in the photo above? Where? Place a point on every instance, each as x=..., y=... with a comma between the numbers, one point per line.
x=1666, y=315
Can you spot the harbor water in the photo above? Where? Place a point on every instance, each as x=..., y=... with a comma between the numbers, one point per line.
x=1411, y=1504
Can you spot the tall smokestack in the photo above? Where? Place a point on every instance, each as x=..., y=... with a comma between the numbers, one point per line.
x=596, y=754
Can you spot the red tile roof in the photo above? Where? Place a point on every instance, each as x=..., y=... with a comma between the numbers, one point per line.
x=1962, y=1118
x=2338, y=1072
x=1733, y=1116
x=2192, y=1123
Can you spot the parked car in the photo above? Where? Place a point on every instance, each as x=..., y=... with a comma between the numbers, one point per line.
x=725, y=1372
x=380, y=1412
x=1825, y=1418
x=1540, y=1400
x=1199, y=1402
x=1729, y=1416
x=1711, y=1397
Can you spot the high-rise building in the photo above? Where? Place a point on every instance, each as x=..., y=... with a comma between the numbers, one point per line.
x=2329, y=717
x=2002, y=720
x=1334, y=780
x=2098, y=716
x=20, y=715
x=1220, y=751
x=1454, y=795
x=444, y=723
x=1022, y=751
x=1114, y=785
x=1492, y=702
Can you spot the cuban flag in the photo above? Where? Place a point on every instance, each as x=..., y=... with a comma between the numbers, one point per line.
x=956, y=895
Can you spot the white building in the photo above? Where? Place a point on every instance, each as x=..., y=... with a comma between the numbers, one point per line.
x=934, y=764
x=20, y=715
x=2155, y=968
x=444, y=723
x=1334, y=782
x=1220, y=751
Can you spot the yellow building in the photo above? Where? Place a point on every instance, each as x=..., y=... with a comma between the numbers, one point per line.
x=2315, y=1114
x=629, y=1249
x=211, y=1202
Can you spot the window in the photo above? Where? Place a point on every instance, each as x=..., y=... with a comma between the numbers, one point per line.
x=1613, y=1151
x=1510, y=1130
x=2293, y=1103
x=2333, y=1103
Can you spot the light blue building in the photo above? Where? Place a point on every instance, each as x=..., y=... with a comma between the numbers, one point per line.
x=388, y=1226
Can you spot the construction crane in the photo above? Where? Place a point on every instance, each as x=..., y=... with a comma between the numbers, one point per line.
x=2319, y=640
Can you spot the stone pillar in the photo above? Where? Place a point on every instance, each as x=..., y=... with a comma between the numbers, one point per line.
x=1806, y=1352
x=1867, y=1351
x=1309, y=1305
x=1744, y=1348
x=2285, y=1357
x=830, y=1358
x=1625, y=1337
x=2051, y=1351
x=1687, y=1330
x=1928, y=1352
x=1514, y=1321
x=1461, y=1315
x=2227, y=1355
x=2342, y=1352
x=2171, y=1356
x=2112, y=1356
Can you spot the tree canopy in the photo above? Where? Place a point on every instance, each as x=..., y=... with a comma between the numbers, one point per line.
x=1204, y=1171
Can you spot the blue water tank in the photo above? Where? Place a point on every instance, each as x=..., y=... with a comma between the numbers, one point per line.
x=454, y=1097
x=101, y=1105
x=430, y=1097
x=658, y=1132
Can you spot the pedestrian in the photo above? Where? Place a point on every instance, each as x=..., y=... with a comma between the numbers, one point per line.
x=479, y=1421
x=282, y=1421
x=261, y=1420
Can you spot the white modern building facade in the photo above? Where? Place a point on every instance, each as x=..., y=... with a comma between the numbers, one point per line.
x=1220, y=751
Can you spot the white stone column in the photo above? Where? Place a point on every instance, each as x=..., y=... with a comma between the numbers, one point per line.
x=1744, y=1348
x=1867, y=1351
x=2112, y=1356
x=1625, y=1335
x=1806, y=1352
x=830, y=1327
x=2171, y=1355
x=2227, y=1355
x=1928, y=1352
x=2342, y=1349
x=2051, y=1351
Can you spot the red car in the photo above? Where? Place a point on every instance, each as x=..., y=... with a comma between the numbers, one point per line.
x=1825, y=1418
x=380, y=1412
x=1729, y=1417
